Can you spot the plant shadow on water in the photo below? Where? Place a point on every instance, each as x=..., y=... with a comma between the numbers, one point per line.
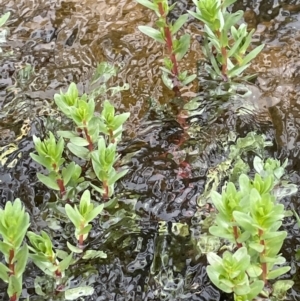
x=148, y=257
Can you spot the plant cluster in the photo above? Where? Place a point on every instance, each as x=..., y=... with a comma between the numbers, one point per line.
x=14, y=223
x=93, y=141
x=250, y=218
x=176, y=48
x=93, y=146
x=225, y=44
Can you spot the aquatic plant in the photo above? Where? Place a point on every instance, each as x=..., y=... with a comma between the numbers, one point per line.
x=176, y=48
x=94, y=141
x=249, y=218
x=14, y=222
x=225, y=45
x=55, y=262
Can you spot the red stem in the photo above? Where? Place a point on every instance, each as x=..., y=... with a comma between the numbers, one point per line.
x=224, y=65
x=81, y=241
x=11, y=266
x=89, y=139
x=105, y=186
x=169, y=42
x=13, y=297
x=236, y=236
x=262, y=255
x=61, y=186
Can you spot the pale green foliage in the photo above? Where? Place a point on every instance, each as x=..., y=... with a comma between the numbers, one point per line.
x=82, y=216
x=50, y=155
x=14, y=222
x=179, y=46
x=230, y=274
x=225, y=45
x=94, y=138
x=249, y=217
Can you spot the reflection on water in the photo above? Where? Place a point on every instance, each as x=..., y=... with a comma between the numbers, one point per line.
x=64, y=41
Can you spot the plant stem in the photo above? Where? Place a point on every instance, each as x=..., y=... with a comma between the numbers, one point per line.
x=169, y=43
x=89, y=139
x=11, y=266
x=13, y=297
x=61, y=185
x=262, y=257
x=236, y=236
x=105, y=186
x=224, y=64
x=111, y=136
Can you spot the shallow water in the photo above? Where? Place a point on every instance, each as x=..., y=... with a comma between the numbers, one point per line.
x=64, y=41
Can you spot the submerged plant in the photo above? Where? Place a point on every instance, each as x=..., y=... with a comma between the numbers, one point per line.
x=249, y=218
x=81, y=217
x=14, y=222
x=94, y=140
x=225, y=46
x=176, y=48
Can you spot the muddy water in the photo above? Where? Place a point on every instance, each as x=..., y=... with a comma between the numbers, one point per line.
x=64, y=41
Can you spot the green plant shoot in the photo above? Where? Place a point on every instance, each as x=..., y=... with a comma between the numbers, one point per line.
x=14, y=222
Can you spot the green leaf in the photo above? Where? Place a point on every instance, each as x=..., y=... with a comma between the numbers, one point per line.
x=68, y=172
x=4, y=270
x=48, y=181
x=278, y=272
x=42, y=161
x=14, y=286
x=111, y=203
x=100, y=190
x=79, y=151
x=148, y=4
x=21, y=258
x=184, y=44
x=4, y=247
x=249, y=57
x=66, y=134
x=79, y=141
x=214, y=278
x=94, y=213
x=254, y=271
x=189, y=79
x=237, y=70
x=244, y=220
x=226, y=3
x=232, y=19
x=73, y=215
x=256, y=246
x=235, y=46
x=4, y=18
x=112, y=180
x=75, y=293
x=90, y=254
x=178, y=24
x=85, y=230
x=64, y=264
x=74, y=249
x=197, y=16
x=119, y=120
x=152, y=33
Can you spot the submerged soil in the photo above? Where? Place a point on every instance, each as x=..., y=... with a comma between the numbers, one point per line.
x=64, y=41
